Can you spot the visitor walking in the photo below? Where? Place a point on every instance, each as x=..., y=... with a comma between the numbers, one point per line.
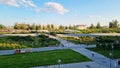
x=92, y=54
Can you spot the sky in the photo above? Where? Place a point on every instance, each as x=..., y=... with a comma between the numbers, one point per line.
x=59, y=12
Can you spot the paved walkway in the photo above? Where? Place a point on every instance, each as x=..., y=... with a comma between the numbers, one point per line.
x=92, y=34
x=75, y=65
x=98, y=58
x=7, y=52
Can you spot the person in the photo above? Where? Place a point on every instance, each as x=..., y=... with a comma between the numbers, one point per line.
x=118, y=61
x=92, y=54
x=17, y=51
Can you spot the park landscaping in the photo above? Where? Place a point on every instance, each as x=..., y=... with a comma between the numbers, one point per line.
x=108, y=44
x=18, y=42
x=26, y=60
x=80, y=40
x=105, y=52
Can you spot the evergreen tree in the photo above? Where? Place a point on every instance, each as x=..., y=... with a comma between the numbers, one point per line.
x=110, y=25
x=40, y=27
x=98, y=25
x=48, y=27
x=52, y=27
x=1, y=26
x=16, y=26
x=70, y=27
x=92, y=26
x=61, y=27
x=33, y=27
x=114, y=24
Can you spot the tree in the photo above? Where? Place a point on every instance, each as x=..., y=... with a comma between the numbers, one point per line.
x=16, y=26
x=48, y=27
x=92, y=26
x=70, y=27
x=52, y=27
x=44, y=27
x=110, y=25
x=114, y=24
x=40, y=27
x=61, y=27
x=22, y=26
x=73, y=27
x=66, y=27
x=98, y=26
x=28, y=26
x=37, y=27
x=33, y=27
x=1, y=26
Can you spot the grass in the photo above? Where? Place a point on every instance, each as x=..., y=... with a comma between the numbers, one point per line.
x=27, y=60
x=105, y=52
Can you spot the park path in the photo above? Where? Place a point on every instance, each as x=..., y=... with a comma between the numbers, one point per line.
x=74, y=65
x=7, y=52
x=98, y=58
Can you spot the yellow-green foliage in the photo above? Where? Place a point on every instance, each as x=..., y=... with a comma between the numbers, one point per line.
x=80, y=40
x=15, y=42
x=11, y=46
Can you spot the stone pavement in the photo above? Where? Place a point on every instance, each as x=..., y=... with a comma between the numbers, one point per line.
x=74, y=65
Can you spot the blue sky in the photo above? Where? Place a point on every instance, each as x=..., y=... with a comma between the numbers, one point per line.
x=59, y=12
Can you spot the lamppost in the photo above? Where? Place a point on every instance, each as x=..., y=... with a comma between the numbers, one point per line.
x=110, y=54
x=59, y=61
x=112, y=50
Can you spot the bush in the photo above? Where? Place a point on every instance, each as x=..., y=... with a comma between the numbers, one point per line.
x=108, y=41
x=80, y=40
x=53, y=33
x=15, y=42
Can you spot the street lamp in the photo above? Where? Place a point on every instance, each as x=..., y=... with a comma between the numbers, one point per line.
x=112, y=51
x=59, y=61
x=110, y=54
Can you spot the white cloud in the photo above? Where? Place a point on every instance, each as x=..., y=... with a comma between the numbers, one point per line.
x=94, y=16
x=37, y=10
x=49, y=6
x=55, y=7
x=17, y=3
x=26, y=3
x=9, y=3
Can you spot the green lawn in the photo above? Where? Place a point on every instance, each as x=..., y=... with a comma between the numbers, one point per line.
x=105, y=52
x=27, y=60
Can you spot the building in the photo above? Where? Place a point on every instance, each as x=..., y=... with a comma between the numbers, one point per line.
x=81, y=27
x=5, y=30
x=105, y=26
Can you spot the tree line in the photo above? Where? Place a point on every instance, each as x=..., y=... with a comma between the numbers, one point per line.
x=112, y=24
x=113, y=27
x=50, y=27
